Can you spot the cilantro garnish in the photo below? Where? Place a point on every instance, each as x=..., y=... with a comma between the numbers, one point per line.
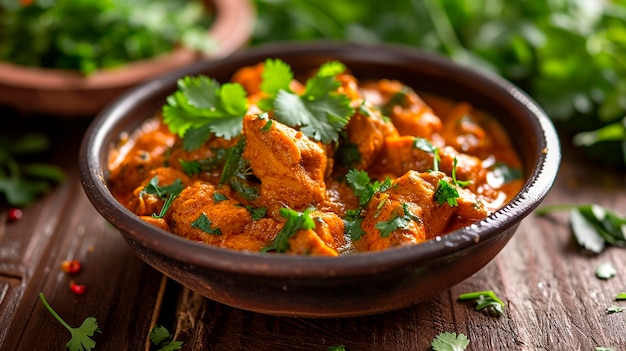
x=449, y=342
x=620, y=296
x=21, y=181
x=320, y=111
x=276, y=76
x=397, y=222
x=600, y=348
x=360, y=182
x=81, y=336
x=296, y=221
x=614, y=309
x=459, y=183
x=191, y=168
x=446, y=192
x=202, y=106
x=337, y=348
x=168, y=193
x=426, y=146
x=593, y=226
x=217, y=198
x=204, y=223
x=236, y=171
x=485, y=299
x=352, y=224
x=161, y=338
x=256, y=212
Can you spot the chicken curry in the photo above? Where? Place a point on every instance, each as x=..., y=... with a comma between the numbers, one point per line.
x=326, y=166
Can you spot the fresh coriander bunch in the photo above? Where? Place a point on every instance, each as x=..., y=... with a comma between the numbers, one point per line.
x=89, y=35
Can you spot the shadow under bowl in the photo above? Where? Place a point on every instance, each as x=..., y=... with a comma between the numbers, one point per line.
x=351, y=285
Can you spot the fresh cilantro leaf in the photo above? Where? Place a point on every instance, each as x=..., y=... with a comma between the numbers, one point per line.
x=161, y=338
x=191, y=168
x=352, y=224
x=81, y=336
x=593, y=226
x=387, y=227
x=320, y=111
x=202, y=106
x=620, y=296
x=426, y=146
x=256, y=212
x=485, y=299
x=459, y=183
x=236, y=171
x=337, y=348
x=348, y=155
x=276, y=76
x=360, y=183
x=614, y=309
x=217, y=198
x=296, y=221
x=168, y=193
x=446, y=192
x=397, y=222
x=600, y=348
x=605, y=271
x=449, y=342
x=267, y=126
x=204, y=223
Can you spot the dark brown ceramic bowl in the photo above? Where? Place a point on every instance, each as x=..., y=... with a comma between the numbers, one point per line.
x=357, y=284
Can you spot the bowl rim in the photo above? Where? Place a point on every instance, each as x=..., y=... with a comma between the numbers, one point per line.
x=534, y=190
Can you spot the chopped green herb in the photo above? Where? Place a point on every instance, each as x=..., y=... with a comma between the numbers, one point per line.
x=204, y=223
x=449, y=342
x=81, y=336
x=236, y=171
x=459, y=183
x=485, y=299
x=296, y=221
x=22, y=181
x=600, y=348
x=446, y=192
x=426, y=146
x=217, y=198
x=352, y=224
x=168, y=193
x=397, y=222
x=605, y=271
x=267, y=126
x=593, y=226
x=506, y=173
x=359, y=181
x=614, y=309
x=256, y=212
x=163, y=340
x=337, y=348
x=620, y=296
x=387, y=227
x=347, y=154
x=191, y=168
x=202, y=106
x=320, y=112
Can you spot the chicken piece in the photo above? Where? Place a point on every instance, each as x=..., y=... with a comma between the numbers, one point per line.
x=400, y=155
x=463, y=132
x=146, y=204
x=408, y=112
x=131, y=162
x=325, y=239
x=197, y=215
x=157, y=222
x=368, y=134
x=409, y=213
x=289, y=165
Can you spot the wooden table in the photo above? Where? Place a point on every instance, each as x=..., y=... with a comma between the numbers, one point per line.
x=553, y=299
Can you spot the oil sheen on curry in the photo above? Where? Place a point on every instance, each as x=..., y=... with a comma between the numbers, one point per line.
x=323, y=165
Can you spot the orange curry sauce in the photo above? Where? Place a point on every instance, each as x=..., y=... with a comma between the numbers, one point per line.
x=289, y=170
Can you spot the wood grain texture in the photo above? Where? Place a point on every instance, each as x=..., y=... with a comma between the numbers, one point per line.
x=553, y=299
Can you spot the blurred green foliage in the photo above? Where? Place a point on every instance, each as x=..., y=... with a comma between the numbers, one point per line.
x=92, y=34
x=569, y=55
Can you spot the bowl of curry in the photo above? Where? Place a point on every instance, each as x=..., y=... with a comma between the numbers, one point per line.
x=320, y=179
